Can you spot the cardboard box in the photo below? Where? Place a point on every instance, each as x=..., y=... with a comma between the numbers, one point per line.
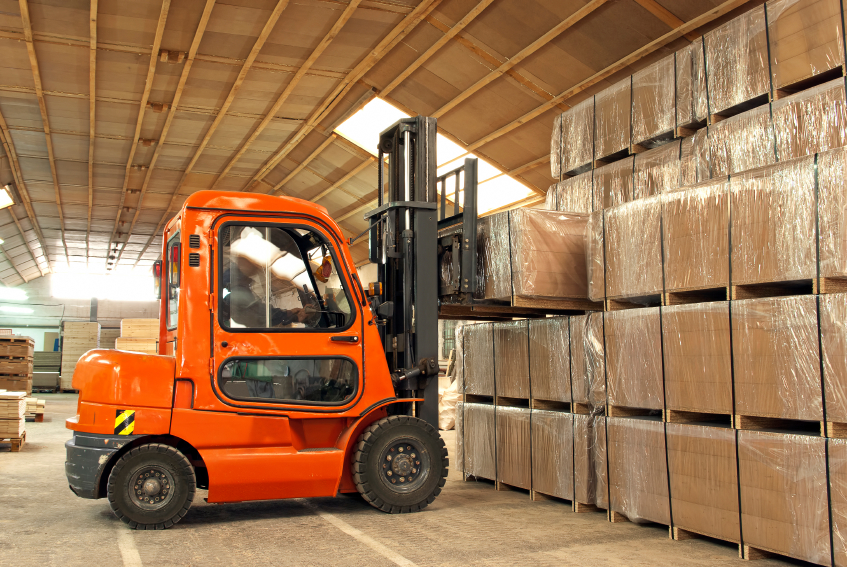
x=479, y=441
x=737, y=59
x=549, y=360
x=596, y=256
x=460, y=436
x=838, y=496
x=612, y=114
x=737, y=144
x=556, y=148
x=588, y=362
x=589, y=459
x=479, y=359
x=833, y=315
x=578, y=130
x=806, y=39
x=657, y=171
x=514, y=446
x=832, y=211
x=633, y=248
x=775, y=358
x=573, y=195
x=691, y=100
x=784, y=505
x=511, y=359
x=811, y=121
x=704, y=480
x=698, y=358
x=695, y=231
x=613, y=183
x=695, y=159
x=653, y=104
x=638, y=472
x=634, y=358
x=600, y=453
x=553, y=453
x=773, y=223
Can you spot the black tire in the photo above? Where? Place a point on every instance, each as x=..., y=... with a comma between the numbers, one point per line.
x=151, y=487
x=389, y=448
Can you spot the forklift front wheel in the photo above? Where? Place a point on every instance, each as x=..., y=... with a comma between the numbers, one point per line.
x=151, y=487
x=400, y=464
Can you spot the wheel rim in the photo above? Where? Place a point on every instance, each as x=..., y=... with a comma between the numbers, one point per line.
x=150, y=487
x=404, y=465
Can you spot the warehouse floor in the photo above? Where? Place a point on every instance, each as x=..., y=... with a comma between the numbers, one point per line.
x=43, y=523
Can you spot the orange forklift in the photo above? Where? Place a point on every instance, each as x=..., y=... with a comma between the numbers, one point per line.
x=278, y=375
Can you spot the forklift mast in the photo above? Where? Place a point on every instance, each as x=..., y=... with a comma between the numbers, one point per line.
x=409, y=236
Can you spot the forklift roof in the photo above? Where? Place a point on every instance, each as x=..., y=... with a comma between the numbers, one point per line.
x=231, y=200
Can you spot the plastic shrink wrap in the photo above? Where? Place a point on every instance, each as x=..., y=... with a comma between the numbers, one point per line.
x=698, y=359
x=704, y=480
x=838, y=496
x=740, y=143
x=634, y=358
x=574, y=195
x=696, y=158
x=805, y=38
x=784, y=494
x=773, y=223
x=588, y=362
x=478, y=429
x=657, y=171
x=688, y=164
x=613, y=183
x=459, y=364
x=653, y=104
x=514, y=438
x=553, y=453
x=460, y=436
x=695, y=231
x=737, y=60
x=634, y=248
x=810, y=121
x=691, y=101
x=479, y=359
x=511, y=359
x=584, y=480
x=776, y=358
x=549, y=360
x=833, y=323
x=613, y=111
x=556, y=148
x=550, y=202
x=638, y=472
x=494, y=269
x=832, y=211
x=601, y=483
x=595, y=256
x=578, y=137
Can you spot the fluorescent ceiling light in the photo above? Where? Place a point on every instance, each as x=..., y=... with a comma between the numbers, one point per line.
x=6, y=199
x=13, y=309
x=13, y=293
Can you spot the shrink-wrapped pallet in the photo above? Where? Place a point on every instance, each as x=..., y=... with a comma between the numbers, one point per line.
x=588, y=361
x=833, y=323
x=556, y=148
x=595, y=256
x=776, y=359
x=696, y=160
x=634, y=358
x=695, y=233
x=460, y=436
x=552, y=453
x=601, y=483
x=578, y=137
x=653, y=104
x=773, y=223
x=832, y=212
x=811, y=121
x=688, y=163
x=589, y=459
x=691, y=101
x=704, y=480
x=550, y=203
x=613, y=184
x=806, y=39
x=479, y=359
x=657, y=171
x=511, y=359
x=737, y=61
x=478, y=428
x=638, y=472
x=532, y=253
x=514, y=449
x=784, y=494
x=612, y=114
x=549, y=360
x=573, y=195
x=740, y=143
x=837, y=465
x=698, y=358
x=633, y=247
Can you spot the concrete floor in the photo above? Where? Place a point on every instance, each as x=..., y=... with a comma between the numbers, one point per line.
x=42, y=523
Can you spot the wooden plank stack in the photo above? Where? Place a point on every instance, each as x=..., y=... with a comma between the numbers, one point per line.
x=77, y=339
x=139, y=335
x=16, y=353
x=12, y=411
x=35, y=409
x=108, y=337
x=46, y=366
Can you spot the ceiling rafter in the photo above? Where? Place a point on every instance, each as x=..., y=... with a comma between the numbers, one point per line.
x=148, y=84
x=14, y=265
x=302, y=165
x=289, y=88
x=26, y=242
x=665, y=16
x=42, y=105
x=530, y=165
x=520, y=56
x=92, y=118
x=391, y=39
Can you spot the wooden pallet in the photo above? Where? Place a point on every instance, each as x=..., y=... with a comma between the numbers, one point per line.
x=623, y=411
x=677, y=533
x=16, y=442
x=37, y=418
x=581, y=507
x=740, y=108
x=538, y=496
x=581, y=408
x=695, y=295
x=679, y=416
x=759, y=423
x=752, y=553
x=806, y=84
x=774, y=289
x=615, y=517
x=517, y=306
x=550, y=405
x=503, y=486
x=505, y=401
x=475, y=399
x=474, y=478
x=639, y=302
x=832, y=285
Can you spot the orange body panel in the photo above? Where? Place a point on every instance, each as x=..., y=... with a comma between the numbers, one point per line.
x=252, y=450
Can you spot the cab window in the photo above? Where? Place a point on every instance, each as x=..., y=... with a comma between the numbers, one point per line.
x=173, y=275
x=279, y=277
x=319, y=380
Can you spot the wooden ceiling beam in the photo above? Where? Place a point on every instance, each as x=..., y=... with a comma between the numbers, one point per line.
x=14, y=265
x=26, y=242
x=92, y=116
x=277, y=189
x=350, y=175
x=289, y=88
x=520, y=56
x=42, y=105
x=528, y=166
x=658, y=43
x=666, y=16
x=400, y=31
x=360, y=208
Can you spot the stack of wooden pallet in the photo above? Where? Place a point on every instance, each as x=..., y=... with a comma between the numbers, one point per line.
x=46, y=366
x=77, y=339
x=108, y=337
x=139, y=335
x=16, y=363
x=35, y=409
x=12, y=410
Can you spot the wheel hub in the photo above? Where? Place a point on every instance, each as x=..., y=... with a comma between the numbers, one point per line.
x=401, y=465
x=150, y=487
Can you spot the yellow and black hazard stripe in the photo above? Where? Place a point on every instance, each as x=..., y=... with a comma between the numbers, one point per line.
x=124, y=422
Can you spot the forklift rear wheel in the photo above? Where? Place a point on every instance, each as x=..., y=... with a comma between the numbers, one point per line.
x=400, y=464
x=151, y=487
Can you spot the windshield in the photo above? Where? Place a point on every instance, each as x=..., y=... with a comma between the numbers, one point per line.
x=173, y=274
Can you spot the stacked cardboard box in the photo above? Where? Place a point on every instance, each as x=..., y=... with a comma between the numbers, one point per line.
x=634, y=358
x=549, y=361
x=553, y=453
x=613, y=184
x=16, y=354
x=656, y=171
x=589, y=460
x=633, y=246
x=653, y=110
x=77, y=339
x=12, y=410
x=513, y=439
x=832, y=212
x=691, y=102
x=511, y=359
x=479, y=359
x=577, y=127
x=139, y=335
x=478, y=432
x=595, y=254
x=833, y=328
x=837, y=468
x=810, y=121
x=571, y=195
x=612, y=115
x=587, y=360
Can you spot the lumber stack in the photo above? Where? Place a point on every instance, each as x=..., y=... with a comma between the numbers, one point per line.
x=16, y=354
x=139, y=335
x=108, y=337
x=46, y=366
x=77, y=339
x=12, y=411
x=34, y=409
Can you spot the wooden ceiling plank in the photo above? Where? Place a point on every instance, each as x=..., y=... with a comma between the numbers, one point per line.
x=521, y=55
x=304, y=163
x=358, y=209
x=289, y=88
x=352, y=173
x=666, y=16
x=528, y=166
x=92, y=97
x=28, y=247
x=14, y=265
